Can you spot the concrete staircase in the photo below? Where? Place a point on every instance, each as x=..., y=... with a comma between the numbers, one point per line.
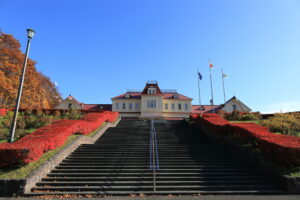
x=118, y=164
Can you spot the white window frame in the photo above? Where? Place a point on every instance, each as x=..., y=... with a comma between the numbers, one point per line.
x=130, y=106
x=151, y=104
x=124, y=106
x=173, y=106
x=151, y=90
x=186, y=107
x=166, y=106
x=234, y=107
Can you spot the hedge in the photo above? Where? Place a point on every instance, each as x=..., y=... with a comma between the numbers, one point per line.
x=282, y=149
x=31, y=147
x=3, y=111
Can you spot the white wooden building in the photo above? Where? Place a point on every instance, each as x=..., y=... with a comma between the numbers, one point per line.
x=235, y=104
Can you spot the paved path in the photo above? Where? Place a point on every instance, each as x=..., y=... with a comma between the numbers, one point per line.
x=206, y=197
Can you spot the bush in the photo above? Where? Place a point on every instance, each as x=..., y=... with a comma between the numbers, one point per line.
x=282, y=149
x=57, y=114
x=288, y=124
x=74, y=114
x=21, y=123
x=250, y=117
x=238, y=116
x=3, y=111
x=233, y=116
x=31, y=147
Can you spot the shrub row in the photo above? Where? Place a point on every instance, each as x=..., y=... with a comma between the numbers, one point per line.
x=3, y=111
x=282, y=149
x=31, y=147
x=240, y=116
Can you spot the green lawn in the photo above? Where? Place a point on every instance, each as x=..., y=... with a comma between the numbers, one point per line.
x=4, y=133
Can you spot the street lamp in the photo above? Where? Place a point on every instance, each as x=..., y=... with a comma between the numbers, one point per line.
x=30, y=33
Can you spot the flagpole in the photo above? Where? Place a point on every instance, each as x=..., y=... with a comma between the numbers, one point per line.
x=211, y=87
x=223, y=88
x=199, y=88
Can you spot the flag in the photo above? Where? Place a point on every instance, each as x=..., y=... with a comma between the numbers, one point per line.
x=200, y=76
x=211, y=66
x=224, y=75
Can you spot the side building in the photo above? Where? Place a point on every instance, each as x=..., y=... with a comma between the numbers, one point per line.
x=71, y=102
x=152, y=102
x=233, y=104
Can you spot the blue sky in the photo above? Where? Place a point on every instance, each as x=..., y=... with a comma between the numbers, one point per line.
x=98, y=49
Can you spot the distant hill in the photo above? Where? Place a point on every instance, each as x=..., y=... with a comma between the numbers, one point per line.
x=38, y=90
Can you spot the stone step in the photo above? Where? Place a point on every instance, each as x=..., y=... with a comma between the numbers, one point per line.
x=146, y=162
x=64, y=166
x=149, y=173
x=128, y=157
x=160, y=171
x=150, y=178
x=118, y=164
x=150, y=182
x=158, y=188
x=174, y=192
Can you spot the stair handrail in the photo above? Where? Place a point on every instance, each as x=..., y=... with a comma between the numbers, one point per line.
x=154, y=163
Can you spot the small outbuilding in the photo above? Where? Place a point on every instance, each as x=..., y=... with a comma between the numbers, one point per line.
x=235, y=104
x=68, y=103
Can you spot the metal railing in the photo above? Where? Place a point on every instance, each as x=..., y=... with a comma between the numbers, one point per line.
x=154, y=163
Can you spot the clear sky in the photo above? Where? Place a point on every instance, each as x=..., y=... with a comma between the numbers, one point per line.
x=97, y=49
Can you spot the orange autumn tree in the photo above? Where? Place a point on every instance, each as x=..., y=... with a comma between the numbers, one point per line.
x=38, y=90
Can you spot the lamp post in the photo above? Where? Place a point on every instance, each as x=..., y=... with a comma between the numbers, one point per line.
x=30, y=33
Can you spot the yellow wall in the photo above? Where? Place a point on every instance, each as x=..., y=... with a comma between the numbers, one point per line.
x=159, y=111
x=127, y=102
x=176, y=102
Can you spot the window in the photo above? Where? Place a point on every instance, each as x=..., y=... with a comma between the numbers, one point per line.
x=166, y=106
x=151, y=90
x=137, y=106
x=117, y=106
x=151, y=104
x=127, y=96
x=179, y=106
x=173, y=106
x=176, y=96
x=186, y=107
x=234, y=107
x=130, y=106
x=124, y=106
x=70, y=105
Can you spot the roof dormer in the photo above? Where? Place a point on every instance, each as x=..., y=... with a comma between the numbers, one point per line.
x=151, y=90
x=127, y=96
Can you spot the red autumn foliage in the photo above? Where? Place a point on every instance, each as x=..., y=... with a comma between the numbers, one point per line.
x=282, y=149
x=31, y=147
x=3, y=111
x=38, y=90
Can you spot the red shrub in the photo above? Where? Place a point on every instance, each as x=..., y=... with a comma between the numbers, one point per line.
x=282, y=149
x=194, y=116
x=3, y=111
x=31, y=147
